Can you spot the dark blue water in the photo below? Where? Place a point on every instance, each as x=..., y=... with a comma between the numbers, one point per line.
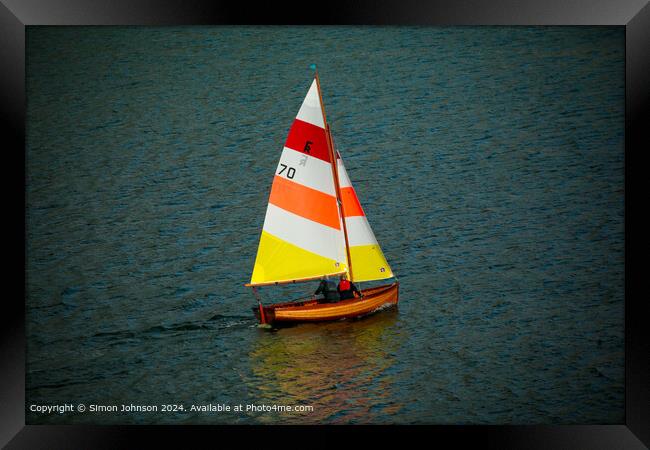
x=489, y=161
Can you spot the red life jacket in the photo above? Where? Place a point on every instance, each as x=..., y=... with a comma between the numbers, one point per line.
x=344, y=285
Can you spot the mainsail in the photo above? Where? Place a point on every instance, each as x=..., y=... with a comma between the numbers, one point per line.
x=304, y=236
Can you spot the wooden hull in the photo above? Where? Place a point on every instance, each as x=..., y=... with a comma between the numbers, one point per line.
x=312, y=311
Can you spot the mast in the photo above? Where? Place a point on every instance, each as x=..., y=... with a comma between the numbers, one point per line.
x=330, y=147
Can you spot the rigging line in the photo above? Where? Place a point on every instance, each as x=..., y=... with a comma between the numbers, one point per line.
x=335, y=174
x=340, y=202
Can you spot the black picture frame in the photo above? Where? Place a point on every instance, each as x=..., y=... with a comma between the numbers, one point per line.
x=15, y=15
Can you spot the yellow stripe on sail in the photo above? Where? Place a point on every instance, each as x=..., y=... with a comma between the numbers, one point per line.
x=369, y=263
x=278, y=260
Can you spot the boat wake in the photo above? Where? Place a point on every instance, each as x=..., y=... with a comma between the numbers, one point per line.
x=214, y=323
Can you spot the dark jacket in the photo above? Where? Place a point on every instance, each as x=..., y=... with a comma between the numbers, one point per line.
x=329, y=291
x=348, y=293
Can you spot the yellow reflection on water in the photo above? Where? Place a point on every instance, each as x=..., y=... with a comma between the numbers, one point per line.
x=340, y=368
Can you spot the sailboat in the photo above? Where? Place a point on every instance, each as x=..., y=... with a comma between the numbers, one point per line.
x=315, y=228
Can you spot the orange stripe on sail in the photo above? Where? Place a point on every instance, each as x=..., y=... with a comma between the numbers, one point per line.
x=305, y=202
x=351, y=205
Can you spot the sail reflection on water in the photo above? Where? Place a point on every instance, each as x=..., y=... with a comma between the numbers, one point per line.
x=342, y=369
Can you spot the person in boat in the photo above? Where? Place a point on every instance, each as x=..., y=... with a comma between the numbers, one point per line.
x=347, y=289
x=328, y=288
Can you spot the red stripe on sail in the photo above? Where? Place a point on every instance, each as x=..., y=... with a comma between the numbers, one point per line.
x=351, y=204
x=309, y=139
x=305, y=202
